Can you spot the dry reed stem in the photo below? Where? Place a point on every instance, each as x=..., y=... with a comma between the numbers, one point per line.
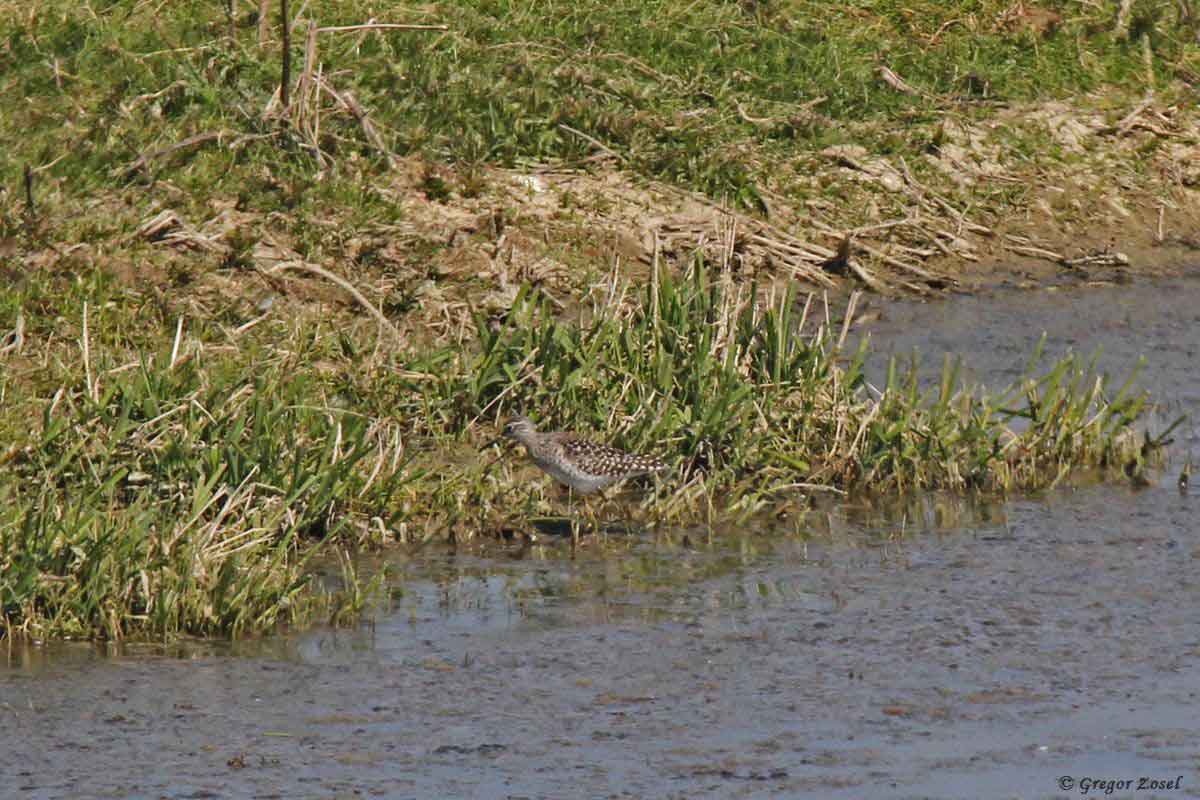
x=92, y=387
x=191, y=141
x=593, y=141
x=1121, y=30
x=848, y=320
x=14, y=340
x=264, y=22
x=865, y=276
x=310, y=56
x=892, y=261
x=343, y=283
x=896, y=82
x=175, y=344
x=1023, y=246
x=368, y=26
x=768, y=236
x=351, y=104
x=309, y=120
x=285, y=71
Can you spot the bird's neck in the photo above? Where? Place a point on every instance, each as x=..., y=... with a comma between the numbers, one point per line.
x=527, y=438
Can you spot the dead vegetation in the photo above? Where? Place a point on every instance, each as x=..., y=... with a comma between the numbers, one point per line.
x=341, y=269
x=964, y=187
x=560, y=228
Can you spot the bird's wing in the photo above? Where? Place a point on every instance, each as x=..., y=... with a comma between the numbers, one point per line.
x=611, y=459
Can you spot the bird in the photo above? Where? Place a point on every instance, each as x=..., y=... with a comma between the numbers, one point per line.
x=584, y=466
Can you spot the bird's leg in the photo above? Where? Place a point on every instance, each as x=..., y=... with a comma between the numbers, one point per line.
x=593, y=523
x=604, y=502
x=597, y=514
x=574, y=517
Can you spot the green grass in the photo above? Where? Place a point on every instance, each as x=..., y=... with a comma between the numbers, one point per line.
x=659, y=82
x=159, y=490
x=751, y=395
x=151, y=490
x=174, y=459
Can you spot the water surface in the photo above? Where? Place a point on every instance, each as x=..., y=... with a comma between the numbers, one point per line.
x=935, y=647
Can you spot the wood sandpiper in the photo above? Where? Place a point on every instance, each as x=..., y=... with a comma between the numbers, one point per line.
x=582, y=465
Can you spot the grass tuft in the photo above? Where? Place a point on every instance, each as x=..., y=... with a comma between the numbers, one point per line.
x=191, y=420
x=182, y=499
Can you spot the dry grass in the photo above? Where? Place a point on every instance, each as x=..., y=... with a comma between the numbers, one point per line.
x=245, y=322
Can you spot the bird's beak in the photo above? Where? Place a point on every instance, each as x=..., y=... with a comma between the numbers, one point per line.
x=497, y=440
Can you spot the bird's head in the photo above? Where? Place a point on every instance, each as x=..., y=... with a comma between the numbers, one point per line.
x=514, y=428
x=518, y=427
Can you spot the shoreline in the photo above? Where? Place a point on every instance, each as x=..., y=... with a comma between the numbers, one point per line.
x=250, y=311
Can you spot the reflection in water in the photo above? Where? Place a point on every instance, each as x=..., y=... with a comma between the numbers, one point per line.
x=659, y=577
x=671, y=576
x=924, y=646
x=902, y=640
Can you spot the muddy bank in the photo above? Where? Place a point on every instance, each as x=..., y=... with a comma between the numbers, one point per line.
x=937, y=649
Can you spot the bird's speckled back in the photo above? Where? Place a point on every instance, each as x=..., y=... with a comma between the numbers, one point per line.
x=583, y=465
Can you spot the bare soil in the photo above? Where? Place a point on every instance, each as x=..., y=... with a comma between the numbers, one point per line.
x=1037, y=195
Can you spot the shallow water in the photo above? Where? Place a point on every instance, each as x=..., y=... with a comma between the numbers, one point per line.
x=937, y=648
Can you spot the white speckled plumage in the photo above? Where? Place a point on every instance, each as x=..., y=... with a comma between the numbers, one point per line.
x=583, y=465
